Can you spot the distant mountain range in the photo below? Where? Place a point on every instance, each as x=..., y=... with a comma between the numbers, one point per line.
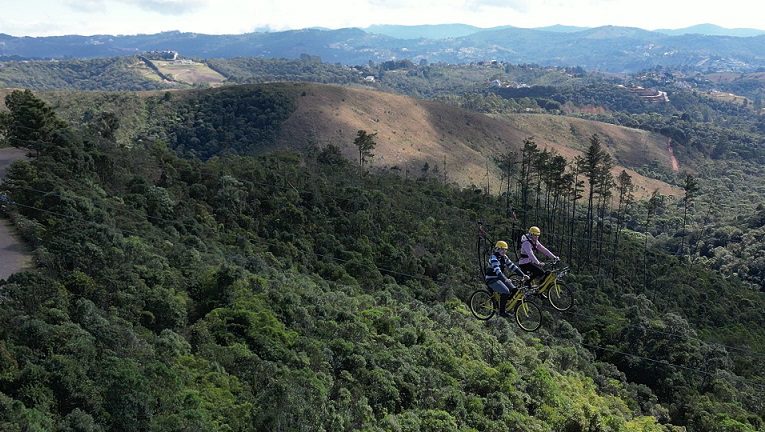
x=609, y=48
x=445, y=31
x=713, y=30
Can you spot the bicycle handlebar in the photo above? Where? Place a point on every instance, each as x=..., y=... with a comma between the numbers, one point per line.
x=558, y=267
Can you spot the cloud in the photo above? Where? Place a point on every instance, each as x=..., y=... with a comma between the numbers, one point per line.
x=36, y=28
x=164, y=7
x=390, y=4
x=516, y=5
x=168, y=7
x=86, y=5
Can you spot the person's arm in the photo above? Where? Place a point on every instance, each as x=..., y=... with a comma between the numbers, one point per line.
x=544, y=250
x=527, y=250
x=494, y=263
x=516, y=269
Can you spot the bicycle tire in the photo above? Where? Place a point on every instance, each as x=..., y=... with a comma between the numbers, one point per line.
x=560, y=296
x=482, y=305
x=528, y=316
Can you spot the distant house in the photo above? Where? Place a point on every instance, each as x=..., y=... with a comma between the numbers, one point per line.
x=648, y=95
x=369, y=78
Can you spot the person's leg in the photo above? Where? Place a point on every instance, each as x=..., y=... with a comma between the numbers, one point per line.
x=533, y=271
x=504, y=295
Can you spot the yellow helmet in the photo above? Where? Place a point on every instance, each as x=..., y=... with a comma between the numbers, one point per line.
x=535, y=231
x=501, y=245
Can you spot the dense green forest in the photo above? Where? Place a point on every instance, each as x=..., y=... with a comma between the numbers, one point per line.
x=113, y=74
x=719, y=142
x=244, y=70
x=292, y=292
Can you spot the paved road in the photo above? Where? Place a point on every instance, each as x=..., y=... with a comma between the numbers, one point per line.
x=14, y=255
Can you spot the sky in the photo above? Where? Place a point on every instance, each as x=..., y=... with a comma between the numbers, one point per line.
x=127, y=17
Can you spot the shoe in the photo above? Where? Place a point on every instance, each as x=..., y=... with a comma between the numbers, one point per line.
x=502, y=303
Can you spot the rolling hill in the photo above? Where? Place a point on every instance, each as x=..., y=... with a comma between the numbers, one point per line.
x=112, y=74
x=413, y=132
x=713, y=30
x=410, y=132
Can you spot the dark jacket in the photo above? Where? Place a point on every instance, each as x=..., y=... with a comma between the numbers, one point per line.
x=497, y=266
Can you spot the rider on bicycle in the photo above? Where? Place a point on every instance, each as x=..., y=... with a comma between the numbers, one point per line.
x=529, y=262
x=495, y=276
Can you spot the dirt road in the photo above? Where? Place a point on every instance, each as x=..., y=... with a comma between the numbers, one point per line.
x=14, y=255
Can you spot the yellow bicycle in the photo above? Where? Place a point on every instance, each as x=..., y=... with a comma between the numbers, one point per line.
x=484, y=304
x=555, y=290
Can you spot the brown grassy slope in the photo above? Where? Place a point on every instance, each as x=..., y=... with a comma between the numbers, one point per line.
x=411, y=132
x=728, y=77
x=189, y=72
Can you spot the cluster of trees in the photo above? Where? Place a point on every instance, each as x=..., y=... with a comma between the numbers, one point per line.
x=592, y=92
x=230, y=119
x=490, y=103
x=252, y=70
x=112, y=74
x=549, y=190
x=285, y=292
x=439, y=80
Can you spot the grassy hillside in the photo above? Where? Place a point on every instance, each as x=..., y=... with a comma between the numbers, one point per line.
x=410, y=132
x=121, y=73
x=189, y=72
x=107, y=74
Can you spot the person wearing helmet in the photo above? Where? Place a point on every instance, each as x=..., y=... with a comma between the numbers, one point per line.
x=495, y=275
x=529, y=244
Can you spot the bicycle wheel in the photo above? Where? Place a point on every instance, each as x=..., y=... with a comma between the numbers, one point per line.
x=482, y=305
x=560, y=296
x=528, y=316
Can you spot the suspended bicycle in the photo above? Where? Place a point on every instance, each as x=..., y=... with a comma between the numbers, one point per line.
x=557, y=292
x=484, y=304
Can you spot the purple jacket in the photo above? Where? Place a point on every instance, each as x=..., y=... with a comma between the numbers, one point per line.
x=529, y=246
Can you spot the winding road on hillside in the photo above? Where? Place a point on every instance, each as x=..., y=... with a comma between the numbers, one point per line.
x=14, y=255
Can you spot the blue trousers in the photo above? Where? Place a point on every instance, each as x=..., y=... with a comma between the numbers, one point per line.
x=502, y=287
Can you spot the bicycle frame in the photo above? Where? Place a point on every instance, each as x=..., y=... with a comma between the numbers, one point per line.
x=550, y=280
x=518, y=297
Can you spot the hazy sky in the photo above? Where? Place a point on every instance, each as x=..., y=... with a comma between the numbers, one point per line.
x=88, y=17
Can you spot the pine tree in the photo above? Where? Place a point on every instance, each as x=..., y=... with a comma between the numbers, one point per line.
x=591, y=168
x=528, y=155
x=506, y=163
x=540, y=166
x=625, y=187
x=690, y=186
x=576, y=191
x=31, y=122
x=651, y=206
x=605, y=182
x=365, y=142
